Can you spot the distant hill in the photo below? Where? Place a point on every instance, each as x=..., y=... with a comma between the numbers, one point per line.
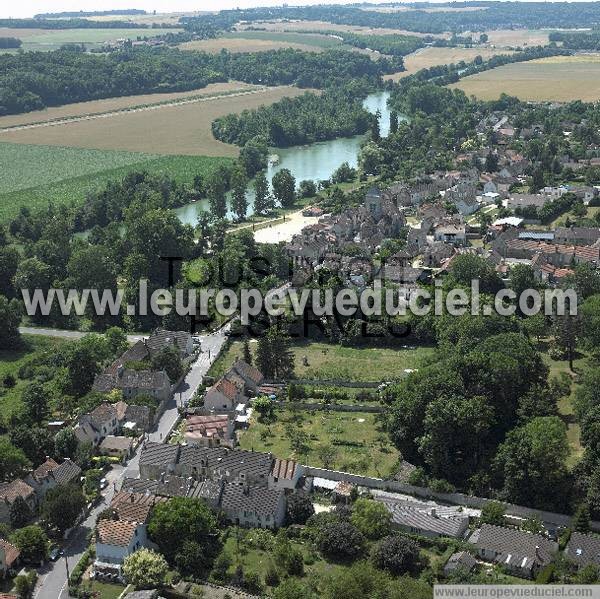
x=96, y=13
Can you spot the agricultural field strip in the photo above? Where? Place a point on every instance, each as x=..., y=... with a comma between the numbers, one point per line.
x=132, y=109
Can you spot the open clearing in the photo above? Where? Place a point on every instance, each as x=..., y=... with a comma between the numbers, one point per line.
x=560, y=78
x=122, y=103
x=260, y=41
x=355, y=441
x=34, y=175
x=517, y=37
x=170, y=129
x=45, y=39
x=429, y=57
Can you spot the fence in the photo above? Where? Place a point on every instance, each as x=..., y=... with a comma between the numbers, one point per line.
x=450, y=498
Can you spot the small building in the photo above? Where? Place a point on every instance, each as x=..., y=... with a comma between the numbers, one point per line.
x=285, y=474
x=93, y=427
x=209, y=431
x=452, y=233
x=160, y=339
x=117, y=447
x=9, y=558
x=9, y=493
x=132, y=383
x=251, y=376
x=254, y=507
x=50, y=474
x=583, y=549
x=223, y=395
x=116, y=539
x=158, y=459
x=460, y=561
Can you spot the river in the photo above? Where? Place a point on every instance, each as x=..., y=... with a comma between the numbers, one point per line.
x=316, y=161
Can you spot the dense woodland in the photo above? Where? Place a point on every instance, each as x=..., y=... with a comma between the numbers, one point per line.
x=34, y=80
x=10, y=42
x=296, y=121
x=577, y=40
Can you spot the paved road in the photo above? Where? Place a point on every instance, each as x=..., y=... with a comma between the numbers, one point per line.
x=52, y=583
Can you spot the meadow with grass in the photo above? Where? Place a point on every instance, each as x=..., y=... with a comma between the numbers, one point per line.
x=36, y=176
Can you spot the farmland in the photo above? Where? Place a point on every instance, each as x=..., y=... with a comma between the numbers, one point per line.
x=429, y=57
x=560, y=78
x=122, y=103
x=517, y=37
x=259, y=41
x=173, y=129
x=36, y=175
x=45, y=40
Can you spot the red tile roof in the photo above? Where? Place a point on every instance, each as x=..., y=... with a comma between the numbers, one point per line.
x=285, y=469
x=16, y=488
x=227, y=388
x=11, y=553
x=116, y=532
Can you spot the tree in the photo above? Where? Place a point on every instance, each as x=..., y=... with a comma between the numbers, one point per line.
x=185, y=529
x=375, y=130
x=169, y=360
x=371, y=518
x=82, y=368
x=566, y=330
x=469, y=267
x=273, y=355
x=534, y=526
x=397, y=554
x=32, y=542
x=62, y=506
x=393, y=122
x=65, y=444
x=532, y=463
x=581, y=520
x=327, y=453
x=299, y=508
x=262, y=201
x=36, y=441
x=340, y=541
x=265, y=408
x=10, y=319
x=535, y=326
x=239, y=182
x=116, y=340
x=20, y=513
x=216, y=186
x=292, y=588
x=493, y=512
x=307, y=189
x=247, y=354
x=35, y=400
x=13, y=461
x=284, y=188
x=145, y=569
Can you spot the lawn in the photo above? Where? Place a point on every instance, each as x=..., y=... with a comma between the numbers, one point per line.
x=559, y=78
x=105, y=590
x=170, y=129
x=10, y=363
x=325, y=361
x=37, y=175
x=350, y=442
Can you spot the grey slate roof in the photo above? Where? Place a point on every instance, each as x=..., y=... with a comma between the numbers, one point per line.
x=249, y=462
x=424, y=520
x=238, y=498
x=139, y=485
x=461, y=560
x=583, y=549
x=66, y=472
x=162, y=338
x=207, y=490
x=159, y=454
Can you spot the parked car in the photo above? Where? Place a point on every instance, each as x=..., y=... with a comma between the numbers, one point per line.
x=55, y=553
x=103, y=483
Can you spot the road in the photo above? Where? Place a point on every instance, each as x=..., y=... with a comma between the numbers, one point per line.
x=52, y=582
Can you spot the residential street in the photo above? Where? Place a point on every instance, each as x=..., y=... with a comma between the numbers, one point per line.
x=52, y=582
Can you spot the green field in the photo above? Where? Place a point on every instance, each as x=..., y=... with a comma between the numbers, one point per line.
x=10, y=363
x=320, y=41
x=34, y=176
x=326, y=361
x=355, y=442
x=52, y=40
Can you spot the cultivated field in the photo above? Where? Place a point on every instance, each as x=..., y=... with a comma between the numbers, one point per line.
x=560, y=78
x=34, y=175
x=170, y=129
x=260, y=41
x=429, y=57
x=112, y=104
x=44, y=40
x=517, y=37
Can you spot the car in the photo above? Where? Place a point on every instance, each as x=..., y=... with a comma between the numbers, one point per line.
x=103, y=483
x=55, y=553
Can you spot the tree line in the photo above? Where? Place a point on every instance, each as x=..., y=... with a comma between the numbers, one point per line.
x=10, y=42
x=33, y=81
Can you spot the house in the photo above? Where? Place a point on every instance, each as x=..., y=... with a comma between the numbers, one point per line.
x=93, y=427
x=285, y=474
x=461, y=560
x=453, y=233
x=583, y=549
x=209, y=491
x=223, y=395
x=245, y=505
x=132, y=383
x=9, y=493
x=117, y=447
x=161, y=339
x=135, y=507
x=523, y=554
x=157, y=459
x=210, y=431
x=577, y=235
x=137, y=418
x=251, y=376
x=526, y=200
x=115, y=540
x=51, y=474
x=9, y=558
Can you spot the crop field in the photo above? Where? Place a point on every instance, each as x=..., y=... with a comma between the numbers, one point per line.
x=45, y=40
x=429, y=57
x=170, y=129
x=258, y=41
x=122, y=103
x=518, y=37
x=35, y=175
x=560, y=78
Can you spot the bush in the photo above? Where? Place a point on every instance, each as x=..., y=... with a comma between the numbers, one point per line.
x=397, y=554
x=341, y=540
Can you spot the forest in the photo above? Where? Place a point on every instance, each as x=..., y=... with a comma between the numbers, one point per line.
x=10, y=42
x=296, y=121
x=35, y=80
x=577, y=40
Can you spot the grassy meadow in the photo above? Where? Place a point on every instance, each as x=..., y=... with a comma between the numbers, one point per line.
x=559, y=78
x=38, y=175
